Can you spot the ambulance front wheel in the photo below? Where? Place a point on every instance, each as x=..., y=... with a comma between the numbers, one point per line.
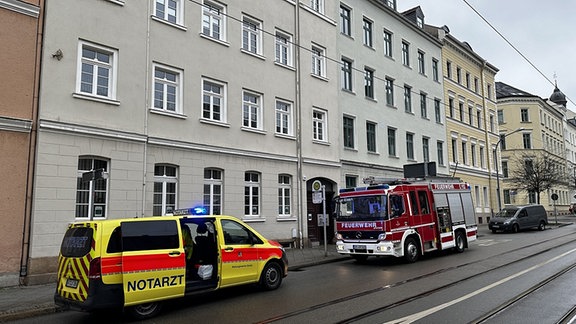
x=144, y=311
x=271, y=277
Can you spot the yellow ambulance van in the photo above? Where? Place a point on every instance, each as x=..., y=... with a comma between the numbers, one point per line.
x=137, y=263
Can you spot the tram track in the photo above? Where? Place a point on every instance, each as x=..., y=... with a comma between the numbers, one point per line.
x=313, y=308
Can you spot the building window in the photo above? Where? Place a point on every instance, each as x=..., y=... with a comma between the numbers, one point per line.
x=479, y=118
x=473, y=154
x=283, y=49
x=367, y=27
x=251, y=110
x=470, y=115
x=454, y=151
x=440, y=152
x=97, y=71
x=467, y=80
x=423, y=108
x=449, y=69
x=317, y=5
x=283, y=117
x=351, y=181
x=251, y=194
x=251, y=36
x=500, y=116
x=435, y=75
x=167, y=89
x=346, y=75
x=318, y=61
x=502, y=141
x=421, y=63
x=345, y=23
x=213, y=182
x=532, y=197
x=438, y=110
x=213, y=101
x=390, y=92
x=410, y=146
x=405, y=53
x=489, y=91
x=458, y=75
x=371, y=137
x=461, y=111
x=348, y=124
x=319, y=125
x=527, y=141
x=426, y=149
x=284, y=195
x=213, y=20
x=92, y=196
x=408, y=99
x=451, y=107
x=506, y=193
x=391, y=4
x=524, y=115
x=391, y=142
x=475, y=85
x=505, y=169
x=387, y=43
x=169, y=10
x=369, y=83
x=464, y=152
x=165, y=185
x=481, y=157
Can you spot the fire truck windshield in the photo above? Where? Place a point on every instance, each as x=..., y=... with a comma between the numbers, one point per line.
x=362, y=208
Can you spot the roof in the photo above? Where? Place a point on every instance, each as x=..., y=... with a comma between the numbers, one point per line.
x=504, y=90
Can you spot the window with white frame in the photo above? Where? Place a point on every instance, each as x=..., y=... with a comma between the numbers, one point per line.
x=421, y=63
x=97, y=71
x=284, y=195
x=371, y=137
x=92, y=196
x=345, y=21
x=440, y=152
x=367, y=35
x=387, y=43
x=464, y=152
x=481, y=157
x=169, y=10
x=423, y=105
x=351, y=181
x=251, y=110
x=165, y=189
x=318, y=61
x=454, y=150
x=212, y=191
x=283, y=49
x=319, y=125
x=213, y=101
x=389, y=92
x=438, y=110
x=317, y=5
x=426, y=149
x=214, y=20
x=346, y=74
x=251, y=36
x=407, y=99
x=391, y=142
x=435, y=73
x=251, y=194
x=409, y=146
x=527, y=141
x=524, y=117
x=283, y=117
x=369, y=83
x=167, y=89
x=405, y=53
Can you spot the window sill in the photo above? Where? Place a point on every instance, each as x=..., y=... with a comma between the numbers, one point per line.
x=167, y=113
x=321, y=142
x=175, y=25
x=94, y=98
x=214, y=122
x=215, y=40
x=253, y=130
x=285, y=136
x=285, y=66
x=256, y=55
x=319, y=77
x=253, y=219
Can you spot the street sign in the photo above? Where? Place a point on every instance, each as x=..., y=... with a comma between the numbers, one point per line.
x=317, y=197
x=554, y=196
x=316, y=185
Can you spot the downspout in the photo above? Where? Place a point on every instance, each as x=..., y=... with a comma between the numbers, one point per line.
x=487, y=137
x=300, y=177
x=146, y=107
x=32, y=150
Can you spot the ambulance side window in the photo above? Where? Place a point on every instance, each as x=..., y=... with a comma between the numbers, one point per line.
x=150, y=235
x=115, y=243
x=235, y=233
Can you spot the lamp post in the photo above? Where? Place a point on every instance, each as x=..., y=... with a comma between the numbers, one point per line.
x=497, y=164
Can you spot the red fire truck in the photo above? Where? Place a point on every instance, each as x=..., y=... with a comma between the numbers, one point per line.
x=404, y=218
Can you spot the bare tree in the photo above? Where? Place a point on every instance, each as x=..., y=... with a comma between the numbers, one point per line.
x=534, y=172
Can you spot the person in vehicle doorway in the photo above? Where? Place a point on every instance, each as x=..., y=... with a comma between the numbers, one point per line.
x=188, y=244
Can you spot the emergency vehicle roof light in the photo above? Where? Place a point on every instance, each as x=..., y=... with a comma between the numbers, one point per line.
x=198, y=210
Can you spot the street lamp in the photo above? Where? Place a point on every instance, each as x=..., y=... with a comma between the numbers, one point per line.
x=496, y=161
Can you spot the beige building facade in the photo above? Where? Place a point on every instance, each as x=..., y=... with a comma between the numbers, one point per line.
x=21, y=25
x=469, y=102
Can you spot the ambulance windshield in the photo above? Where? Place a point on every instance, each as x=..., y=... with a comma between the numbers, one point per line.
x=362, y=208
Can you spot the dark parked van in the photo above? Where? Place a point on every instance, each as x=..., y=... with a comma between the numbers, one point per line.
x=516, y=218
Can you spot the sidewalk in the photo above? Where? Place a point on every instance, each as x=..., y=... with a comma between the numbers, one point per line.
x=28, y=301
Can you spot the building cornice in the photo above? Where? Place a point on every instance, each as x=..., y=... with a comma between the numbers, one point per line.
x=20, y=7
x=15, y=125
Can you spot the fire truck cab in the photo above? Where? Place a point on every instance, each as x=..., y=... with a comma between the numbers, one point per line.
x=404, y=217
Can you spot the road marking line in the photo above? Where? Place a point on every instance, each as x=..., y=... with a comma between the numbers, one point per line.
x=422, y=314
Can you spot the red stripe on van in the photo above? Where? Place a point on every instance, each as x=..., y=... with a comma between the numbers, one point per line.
x=148, y=262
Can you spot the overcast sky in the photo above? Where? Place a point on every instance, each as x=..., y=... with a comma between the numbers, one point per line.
x=543, y=31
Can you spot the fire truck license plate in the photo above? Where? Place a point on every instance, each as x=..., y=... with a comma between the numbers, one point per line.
x=359, y=247
x=71, y=283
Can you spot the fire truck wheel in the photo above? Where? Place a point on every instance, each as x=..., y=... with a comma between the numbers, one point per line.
x=460, y=242
x=271, y=277
x=411, y=250
x=360, y=258
x=144, y=311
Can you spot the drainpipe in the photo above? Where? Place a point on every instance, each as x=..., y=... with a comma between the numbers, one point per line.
x=301, y=189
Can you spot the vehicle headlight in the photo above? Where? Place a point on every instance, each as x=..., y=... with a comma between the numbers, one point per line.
x=338, y=236
x=382, y=237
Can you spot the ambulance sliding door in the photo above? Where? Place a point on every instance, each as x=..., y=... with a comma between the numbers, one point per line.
x=153, y=261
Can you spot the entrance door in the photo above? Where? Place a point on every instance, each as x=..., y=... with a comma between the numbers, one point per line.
x=314, y=213
x=153, y=261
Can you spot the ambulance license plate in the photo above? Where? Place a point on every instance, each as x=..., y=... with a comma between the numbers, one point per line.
x=359, y=247
x=71, y=283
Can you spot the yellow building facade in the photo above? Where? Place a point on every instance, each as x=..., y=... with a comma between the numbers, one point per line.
x=471, y=127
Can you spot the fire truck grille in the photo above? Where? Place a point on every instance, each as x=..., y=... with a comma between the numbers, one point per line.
x=360, y=235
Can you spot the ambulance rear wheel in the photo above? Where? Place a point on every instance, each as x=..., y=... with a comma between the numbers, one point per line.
x=271, y=277
x=460, y=242
x=144, y=311
x=411, y=250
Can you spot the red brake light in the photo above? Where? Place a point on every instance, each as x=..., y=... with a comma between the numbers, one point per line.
x=95, y=271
